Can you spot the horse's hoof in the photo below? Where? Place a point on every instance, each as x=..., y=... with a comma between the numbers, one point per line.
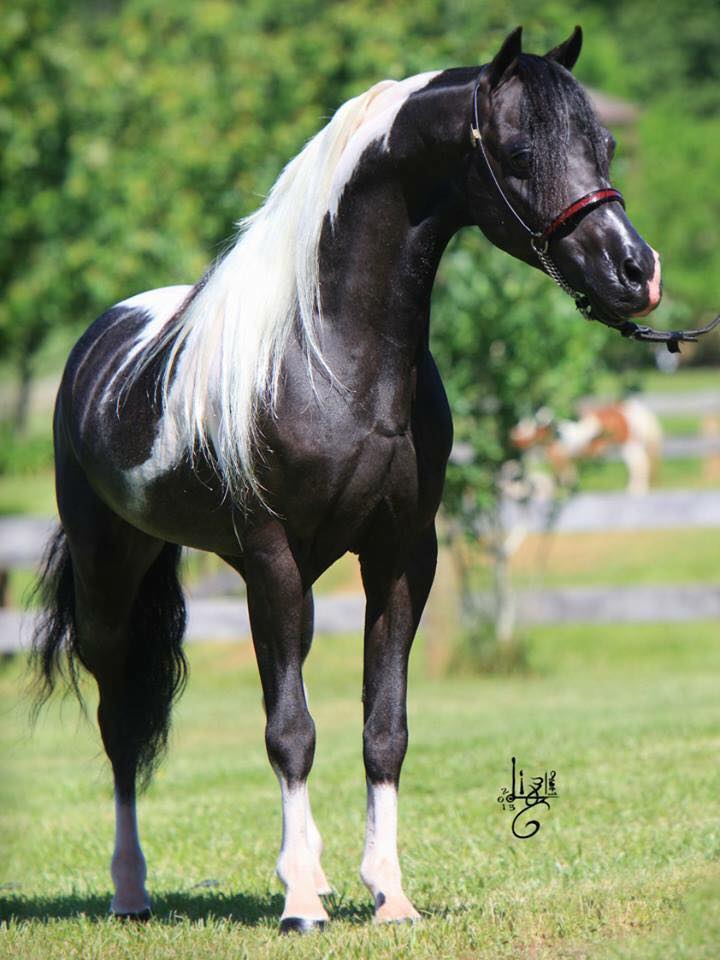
x=300, y=925
x=142, y=917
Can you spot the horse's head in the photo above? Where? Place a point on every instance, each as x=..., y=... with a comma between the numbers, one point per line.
x=540, y=180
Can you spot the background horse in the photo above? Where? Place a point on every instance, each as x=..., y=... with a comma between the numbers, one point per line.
x=287, y=409
x=630, y=427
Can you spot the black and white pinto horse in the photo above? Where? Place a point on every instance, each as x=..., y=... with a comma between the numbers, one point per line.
x=286, y=409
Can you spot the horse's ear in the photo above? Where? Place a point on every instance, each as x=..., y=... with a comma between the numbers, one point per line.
x=566, y=53
x=506, y=56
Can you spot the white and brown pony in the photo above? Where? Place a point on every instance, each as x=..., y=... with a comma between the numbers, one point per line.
x=628, y=427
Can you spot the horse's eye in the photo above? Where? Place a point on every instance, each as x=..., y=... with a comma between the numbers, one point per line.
x=521, y=162
x=611, y=144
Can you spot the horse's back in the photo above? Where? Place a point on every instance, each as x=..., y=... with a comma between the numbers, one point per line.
x=100, y=425
x=127, y=325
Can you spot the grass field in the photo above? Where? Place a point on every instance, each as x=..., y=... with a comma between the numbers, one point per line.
x=625, y=865
x=649, y=380
x=618, y=558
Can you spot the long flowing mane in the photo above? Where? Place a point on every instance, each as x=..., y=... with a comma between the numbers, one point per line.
x=224, y=347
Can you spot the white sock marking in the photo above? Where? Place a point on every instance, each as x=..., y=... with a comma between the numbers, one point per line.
x=380, y=868
x=128, y=869
x=297, y=861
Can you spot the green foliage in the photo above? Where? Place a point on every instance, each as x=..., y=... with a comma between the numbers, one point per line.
x=24, y=455
x=40, y=53
x=507, y=342
x=134, y=134
x=666, y=58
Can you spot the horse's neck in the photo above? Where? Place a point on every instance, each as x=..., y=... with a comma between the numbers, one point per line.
x=378, y=266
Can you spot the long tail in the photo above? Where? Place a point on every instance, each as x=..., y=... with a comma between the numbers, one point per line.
x=155, y=663
x=54, y=644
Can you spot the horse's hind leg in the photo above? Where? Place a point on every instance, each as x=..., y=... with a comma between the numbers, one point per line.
x=128, y=620
x=118, y=630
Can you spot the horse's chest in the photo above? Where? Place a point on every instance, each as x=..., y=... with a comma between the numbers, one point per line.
x=340, y=479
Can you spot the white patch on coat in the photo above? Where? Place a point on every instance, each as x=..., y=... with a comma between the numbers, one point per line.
x=576, y=435
x=170, y=442
x=160, y=305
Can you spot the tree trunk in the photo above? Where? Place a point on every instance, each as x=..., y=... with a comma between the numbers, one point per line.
x=22, y=402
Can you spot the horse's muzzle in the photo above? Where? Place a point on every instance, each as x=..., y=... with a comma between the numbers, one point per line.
x=654, y=289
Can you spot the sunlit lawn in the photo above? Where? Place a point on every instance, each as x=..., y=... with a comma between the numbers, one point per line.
x=684, y=473
x=625, y=865
x=619, y=558
x=684, y=380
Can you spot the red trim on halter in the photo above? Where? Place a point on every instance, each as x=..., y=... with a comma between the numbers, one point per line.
x=593, y=199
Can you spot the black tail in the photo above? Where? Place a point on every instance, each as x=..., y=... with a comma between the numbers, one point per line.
x=54, y=642
x=155, y=664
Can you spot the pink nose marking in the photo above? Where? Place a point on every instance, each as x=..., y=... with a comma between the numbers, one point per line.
x=654, y=291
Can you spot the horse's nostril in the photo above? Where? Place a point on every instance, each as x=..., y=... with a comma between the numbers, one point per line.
x=633, y=272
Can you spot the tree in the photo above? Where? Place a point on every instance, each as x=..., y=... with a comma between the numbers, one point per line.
x=507, y=342
x=39, y=53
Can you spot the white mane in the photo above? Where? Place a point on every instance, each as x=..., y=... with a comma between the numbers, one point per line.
x=227, y=345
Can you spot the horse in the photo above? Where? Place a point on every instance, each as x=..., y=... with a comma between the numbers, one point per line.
x=629, y=426
x=286, y=409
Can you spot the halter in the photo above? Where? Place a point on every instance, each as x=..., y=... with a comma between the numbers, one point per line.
x=568, y=219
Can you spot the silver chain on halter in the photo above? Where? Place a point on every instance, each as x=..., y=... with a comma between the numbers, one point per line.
x=540, y=246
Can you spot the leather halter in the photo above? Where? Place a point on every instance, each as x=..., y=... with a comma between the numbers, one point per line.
x=568, y=219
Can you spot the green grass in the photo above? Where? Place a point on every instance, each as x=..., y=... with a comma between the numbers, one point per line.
x=687, y=473
x=618, y=558
x=625, y=865
x=684, y=380
x=681, y=425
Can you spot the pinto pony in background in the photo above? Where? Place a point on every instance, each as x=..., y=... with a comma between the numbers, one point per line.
x=286, y=409
x=629, y=427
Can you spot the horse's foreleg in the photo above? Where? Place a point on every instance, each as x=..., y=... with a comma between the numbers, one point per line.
x=278, y=611
x=313, y=834
x=395, y=600
x=639, y=466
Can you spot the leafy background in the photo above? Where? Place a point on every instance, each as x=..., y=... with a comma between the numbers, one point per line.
x=134, y=134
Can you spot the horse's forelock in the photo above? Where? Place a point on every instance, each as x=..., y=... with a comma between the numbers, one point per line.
x=554, y=107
